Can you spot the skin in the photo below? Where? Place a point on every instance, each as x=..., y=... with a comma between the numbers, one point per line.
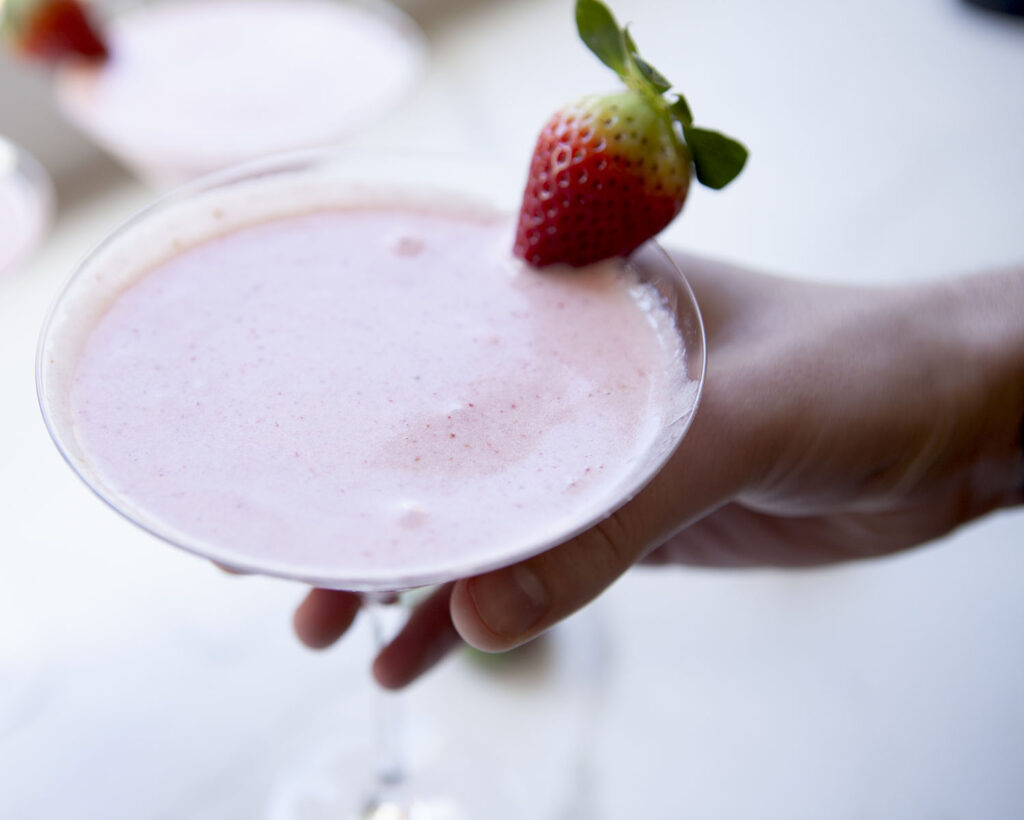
x=837, y=423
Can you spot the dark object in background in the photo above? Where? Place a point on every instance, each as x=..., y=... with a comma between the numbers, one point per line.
x=1005, y=6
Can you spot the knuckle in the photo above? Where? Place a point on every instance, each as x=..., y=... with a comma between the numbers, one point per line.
x=616, y=541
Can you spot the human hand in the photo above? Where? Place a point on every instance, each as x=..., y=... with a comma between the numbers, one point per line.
x=836, y=423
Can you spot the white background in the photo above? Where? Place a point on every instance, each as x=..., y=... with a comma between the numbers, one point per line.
x=886, y=145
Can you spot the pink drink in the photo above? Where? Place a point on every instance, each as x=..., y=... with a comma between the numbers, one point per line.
x=194, y=85
x=372, y=391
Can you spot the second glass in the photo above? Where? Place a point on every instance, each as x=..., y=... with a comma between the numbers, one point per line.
x=192, y=86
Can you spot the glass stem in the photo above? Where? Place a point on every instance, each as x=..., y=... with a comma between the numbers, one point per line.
x=387, y=799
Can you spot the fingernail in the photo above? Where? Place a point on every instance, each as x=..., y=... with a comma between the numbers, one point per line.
x=509, y=601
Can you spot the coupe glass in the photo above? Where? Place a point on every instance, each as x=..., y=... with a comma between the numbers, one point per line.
x=402, y=788
x=193, y=86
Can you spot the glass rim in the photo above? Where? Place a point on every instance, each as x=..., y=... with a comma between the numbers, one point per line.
x=307, y=161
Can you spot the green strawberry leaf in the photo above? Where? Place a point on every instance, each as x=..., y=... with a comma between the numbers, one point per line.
x=600, y=32
x=650, y=76
x=681, y=111
x=716, y=157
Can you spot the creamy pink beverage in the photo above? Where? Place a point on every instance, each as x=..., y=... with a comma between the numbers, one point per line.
x=195, y=85
x=373, y=391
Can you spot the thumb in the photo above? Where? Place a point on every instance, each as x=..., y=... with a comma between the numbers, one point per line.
x=504, y=608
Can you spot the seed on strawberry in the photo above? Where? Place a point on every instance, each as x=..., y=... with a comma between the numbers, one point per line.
x=51, y=29
x=611, y=171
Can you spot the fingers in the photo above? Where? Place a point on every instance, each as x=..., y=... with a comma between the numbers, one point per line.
x=324, y=616
x=502, y=609
x=427, y=637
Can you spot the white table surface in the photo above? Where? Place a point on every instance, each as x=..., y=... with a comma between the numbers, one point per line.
x=886, y=145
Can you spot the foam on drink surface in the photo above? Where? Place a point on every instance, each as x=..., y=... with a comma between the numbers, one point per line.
x=371, y=391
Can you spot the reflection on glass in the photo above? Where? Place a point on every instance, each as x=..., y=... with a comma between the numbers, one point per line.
x=26, y=204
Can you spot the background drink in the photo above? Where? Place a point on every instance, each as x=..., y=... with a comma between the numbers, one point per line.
x=195, y=85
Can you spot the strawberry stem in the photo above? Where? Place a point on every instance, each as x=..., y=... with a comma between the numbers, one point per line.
x=717, y=159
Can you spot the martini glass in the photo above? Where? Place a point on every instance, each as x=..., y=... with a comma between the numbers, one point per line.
x=320, y=182
x=193, y=86
x=26, y=204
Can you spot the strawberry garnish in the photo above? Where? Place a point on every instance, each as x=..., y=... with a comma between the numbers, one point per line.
x=52, y=29
x=611, y=171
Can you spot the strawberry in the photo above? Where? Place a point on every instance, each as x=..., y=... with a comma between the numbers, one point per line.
x=51, y=29
x=611, y=171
